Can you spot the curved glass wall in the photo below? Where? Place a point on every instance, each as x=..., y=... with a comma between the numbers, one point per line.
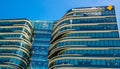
x=15, y=43
x=86, y=38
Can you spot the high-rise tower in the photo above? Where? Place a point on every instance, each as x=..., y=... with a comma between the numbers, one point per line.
x=86, y=38
x=15, y=43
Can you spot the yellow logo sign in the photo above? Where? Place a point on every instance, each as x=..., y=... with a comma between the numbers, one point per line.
x=109, y=7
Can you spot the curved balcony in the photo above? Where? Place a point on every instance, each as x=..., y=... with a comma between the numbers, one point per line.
x=80, y=20
x=84, y=62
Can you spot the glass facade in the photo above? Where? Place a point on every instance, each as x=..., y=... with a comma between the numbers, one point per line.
x=42, y=36
x=15, y=43
x=86, y=38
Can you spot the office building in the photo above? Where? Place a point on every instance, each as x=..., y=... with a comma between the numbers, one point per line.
x=42, y=36
x=15, y=43
x=86, y=38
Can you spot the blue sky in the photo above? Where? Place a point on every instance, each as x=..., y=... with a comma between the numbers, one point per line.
x=47, y=9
